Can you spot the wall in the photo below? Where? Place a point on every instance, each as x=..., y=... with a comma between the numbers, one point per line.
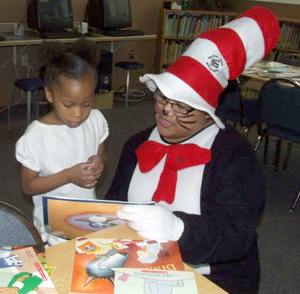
x=146, y=16
x=280, y=9
x=282, y=1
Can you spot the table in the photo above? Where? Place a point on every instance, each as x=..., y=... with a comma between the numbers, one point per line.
x=254, y=77
x=265, y=70
x=95, y=38
x=114, y=43
x=61, y=256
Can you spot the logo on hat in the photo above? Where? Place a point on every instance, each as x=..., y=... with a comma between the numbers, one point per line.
x=215, y=63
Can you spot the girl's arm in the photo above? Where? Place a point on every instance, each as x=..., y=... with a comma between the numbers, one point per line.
x=80, y=174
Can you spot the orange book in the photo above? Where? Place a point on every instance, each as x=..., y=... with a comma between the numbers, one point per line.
x=96, y=259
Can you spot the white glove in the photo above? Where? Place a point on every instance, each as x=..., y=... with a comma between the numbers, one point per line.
x=153, y=222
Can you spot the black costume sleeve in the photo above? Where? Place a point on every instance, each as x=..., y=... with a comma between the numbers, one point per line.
x=232, y=199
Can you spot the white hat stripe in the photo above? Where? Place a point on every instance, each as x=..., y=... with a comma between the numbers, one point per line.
x=210, y=55
x=253, y=39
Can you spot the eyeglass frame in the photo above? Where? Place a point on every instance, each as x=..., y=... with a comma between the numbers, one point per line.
x=166, y=100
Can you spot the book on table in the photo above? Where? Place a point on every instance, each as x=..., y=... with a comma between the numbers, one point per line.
x=96, y=259
x=71, y=218
x=22, y=272
x=147, y=281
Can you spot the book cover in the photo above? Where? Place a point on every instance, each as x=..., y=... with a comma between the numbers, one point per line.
x=145, y=281
x=38, y=249
x=70, y=218
x=96, y=258
x=21, y=272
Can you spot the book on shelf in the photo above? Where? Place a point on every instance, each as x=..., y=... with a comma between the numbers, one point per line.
x=174, y=49
x=289, y=36
x=184, y=25
x=95, y=261
x=71, y=218
x=22, y=272
x=137, y=281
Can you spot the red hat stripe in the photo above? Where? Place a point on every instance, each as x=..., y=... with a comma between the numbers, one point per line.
x=268, y=24
x=199, y=78
x=231, y=48
x=253, y=39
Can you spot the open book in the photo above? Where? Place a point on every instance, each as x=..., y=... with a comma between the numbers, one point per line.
x=96, y=259
x=70, y=218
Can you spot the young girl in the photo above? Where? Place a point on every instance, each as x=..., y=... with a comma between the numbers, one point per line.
x=62, y=154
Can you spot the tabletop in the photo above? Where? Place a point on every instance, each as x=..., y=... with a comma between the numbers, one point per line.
x=61, y=256
x=265, y=70
x=27, y=41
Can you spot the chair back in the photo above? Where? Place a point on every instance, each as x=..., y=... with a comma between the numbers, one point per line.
x=234, y=107
x=16, y=229
x=229, y=103
x=280, y=108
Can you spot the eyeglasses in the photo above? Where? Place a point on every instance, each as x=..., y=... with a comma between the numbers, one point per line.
x=178, y=108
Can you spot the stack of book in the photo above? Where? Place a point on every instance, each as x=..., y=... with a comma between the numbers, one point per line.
x=290, y=36
x=190, y=26
x=174, y=49
x=117, y=266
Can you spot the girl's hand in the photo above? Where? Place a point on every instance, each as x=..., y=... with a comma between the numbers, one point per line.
x=98, y=164
x=82, y=175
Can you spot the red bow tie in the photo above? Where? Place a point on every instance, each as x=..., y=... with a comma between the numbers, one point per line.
x=179, y=156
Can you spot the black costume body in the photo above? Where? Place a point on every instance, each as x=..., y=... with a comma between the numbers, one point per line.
x=232, y=198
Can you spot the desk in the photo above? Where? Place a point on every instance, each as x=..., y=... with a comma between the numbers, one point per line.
x=265, y=70
x=113, y=43
x=96, y=38
x=62, y=257
x=254, y=77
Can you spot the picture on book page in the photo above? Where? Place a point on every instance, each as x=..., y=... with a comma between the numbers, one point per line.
x=96, y=259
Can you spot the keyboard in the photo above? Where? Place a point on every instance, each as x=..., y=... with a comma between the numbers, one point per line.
x=60, y=34
x=120, y=33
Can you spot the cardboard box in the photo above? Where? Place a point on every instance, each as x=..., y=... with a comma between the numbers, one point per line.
x=103, y=100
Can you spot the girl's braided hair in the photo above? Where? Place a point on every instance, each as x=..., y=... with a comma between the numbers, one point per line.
x=73, y=61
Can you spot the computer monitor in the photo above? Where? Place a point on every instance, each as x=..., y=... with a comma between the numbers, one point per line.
x=50, y=14
x=109, y=14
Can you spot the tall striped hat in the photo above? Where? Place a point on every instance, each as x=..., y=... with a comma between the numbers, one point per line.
x=198, y=77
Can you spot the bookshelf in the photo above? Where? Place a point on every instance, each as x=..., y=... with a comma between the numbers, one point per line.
x=289, y=41
x=180, y=27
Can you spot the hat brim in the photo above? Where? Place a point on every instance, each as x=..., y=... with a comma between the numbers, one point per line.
x=176, y=89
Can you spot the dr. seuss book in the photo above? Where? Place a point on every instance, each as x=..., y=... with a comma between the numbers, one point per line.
x=147, y=281
x=21, y=272
x=71, y=218
x=96, y=258
x=38, y=249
